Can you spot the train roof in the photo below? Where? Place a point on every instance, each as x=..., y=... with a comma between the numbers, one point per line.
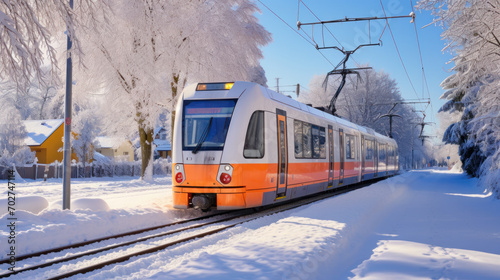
x=296, y=104
x=236, y=89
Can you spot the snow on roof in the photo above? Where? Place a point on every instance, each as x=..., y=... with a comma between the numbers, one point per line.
x=162, y=145
x=39, y=130
x=109, y=142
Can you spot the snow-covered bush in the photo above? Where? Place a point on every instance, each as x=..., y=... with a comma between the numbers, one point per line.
x=21, y=156
x=162, y=166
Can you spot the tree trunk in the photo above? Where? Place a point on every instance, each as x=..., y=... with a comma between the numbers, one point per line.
x=146, y=137
x=174, y=86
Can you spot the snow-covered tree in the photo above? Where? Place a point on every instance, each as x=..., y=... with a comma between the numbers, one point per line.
x=152, y=48
x=26, y=33
x=13, y=150
x=34, y=99
x=472, y=31
x=87, y=128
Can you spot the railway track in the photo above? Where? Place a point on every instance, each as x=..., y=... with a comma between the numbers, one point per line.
x=167, y=236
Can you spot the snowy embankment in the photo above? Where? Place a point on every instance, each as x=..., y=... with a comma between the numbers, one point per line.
x=99, y=207
x=427, y=224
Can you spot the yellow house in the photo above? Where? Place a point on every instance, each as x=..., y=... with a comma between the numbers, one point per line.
x=115, y=148
x=45, y=138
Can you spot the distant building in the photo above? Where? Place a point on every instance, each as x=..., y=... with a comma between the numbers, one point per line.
x=45, y=138
x=115, y=148
x=163, y=146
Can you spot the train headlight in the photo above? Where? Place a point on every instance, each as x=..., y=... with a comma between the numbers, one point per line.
x=179, y=173
x=225, y=174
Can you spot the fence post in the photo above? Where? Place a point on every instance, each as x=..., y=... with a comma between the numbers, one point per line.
x=45, y=173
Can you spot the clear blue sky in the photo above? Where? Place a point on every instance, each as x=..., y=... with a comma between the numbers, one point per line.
x=294, y=60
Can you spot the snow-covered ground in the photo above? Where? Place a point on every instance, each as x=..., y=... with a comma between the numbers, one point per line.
x=427, y=224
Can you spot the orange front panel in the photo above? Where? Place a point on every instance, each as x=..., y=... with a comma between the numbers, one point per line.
x=255, y=176
x=200, y=175
x=230, y=201
x=181, y=200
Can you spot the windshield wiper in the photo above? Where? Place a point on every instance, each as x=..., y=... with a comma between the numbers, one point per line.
x=203, y=136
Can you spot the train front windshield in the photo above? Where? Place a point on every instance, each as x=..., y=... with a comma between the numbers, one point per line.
x=205, y=124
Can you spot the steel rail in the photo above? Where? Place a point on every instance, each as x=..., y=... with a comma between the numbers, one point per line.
x=97, y=240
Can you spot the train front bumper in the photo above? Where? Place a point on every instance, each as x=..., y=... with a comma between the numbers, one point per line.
x=227, y=198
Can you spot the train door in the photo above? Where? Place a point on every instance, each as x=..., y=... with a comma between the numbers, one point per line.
x=330, y=156
x=363, y=157
x=375, y=157
x=386, y=152
x=282, y=153
x=342, y=156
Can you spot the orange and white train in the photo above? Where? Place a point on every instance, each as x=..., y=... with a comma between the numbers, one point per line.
x=241, y=145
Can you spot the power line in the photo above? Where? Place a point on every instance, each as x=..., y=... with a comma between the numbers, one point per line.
x=320, y=20
x=295, y=31
x=424, y=78
x=397, y=49
x=324, y=26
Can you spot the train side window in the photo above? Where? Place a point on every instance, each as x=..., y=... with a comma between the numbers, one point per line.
x=254, y=140
x=369, y=149
x=382, y=152
x=315, y=141
x=322, y=141
x=350, y=149
x=307, y=140
x=299, y=152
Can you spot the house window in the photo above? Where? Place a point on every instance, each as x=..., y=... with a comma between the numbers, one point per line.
x=125, y=153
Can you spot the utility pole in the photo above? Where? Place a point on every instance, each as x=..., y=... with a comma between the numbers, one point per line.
x=67, y=126
x=412, y=150
x=278, y=85
x=390, y=121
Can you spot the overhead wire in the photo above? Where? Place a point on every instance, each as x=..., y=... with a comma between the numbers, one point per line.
x=397, y=50
x=424, y=78
x=295, y=31
x=323, y=26
x=311, y=41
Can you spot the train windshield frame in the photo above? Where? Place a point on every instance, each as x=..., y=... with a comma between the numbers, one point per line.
x=205, y=124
